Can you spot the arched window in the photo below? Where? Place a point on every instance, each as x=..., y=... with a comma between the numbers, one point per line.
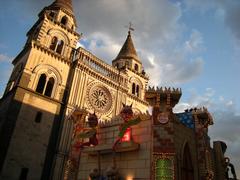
x=41, y=83
x=117, y=65
x=45, y=85
x=136, y=67
x=64, y=20
x=57, y=45
x=54, y=43
x=137, y=90
x=60, y=47
x=49, y=87
x=187, y=166
x=133, y=88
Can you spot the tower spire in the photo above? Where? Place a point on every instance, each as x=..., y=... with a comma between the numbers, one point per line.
x=128, y=50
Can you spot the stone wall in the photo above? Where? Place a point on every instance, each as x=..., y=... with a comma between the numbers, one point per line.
x=131, y=165
x=30, y=139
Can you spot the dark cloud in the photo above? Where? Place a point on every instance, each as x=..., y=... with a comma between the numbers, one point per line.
x=232, y=14
x=230, y=9
x=226, y=128
x=154, y=21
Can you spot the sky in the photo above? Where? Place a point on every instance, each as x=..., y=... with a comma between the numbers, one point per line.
x=190, y=44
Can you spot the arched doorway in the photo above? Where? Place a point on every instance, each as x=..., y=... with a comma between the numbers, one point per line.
x=187, y=170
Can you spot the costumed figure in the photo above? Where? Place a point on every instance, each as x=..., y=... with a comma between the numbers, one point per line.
x=125, y=131
x=88, y=133
x=78, y=142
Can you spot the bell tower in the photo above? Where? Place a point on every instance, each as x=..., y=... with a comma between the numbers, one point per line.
x=56, y=28
x=127, y=61
x=33, y=102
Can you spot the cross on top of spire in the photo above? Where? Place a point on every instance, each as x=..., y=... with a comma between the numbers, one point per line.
x=128, y=50
x=130, y=27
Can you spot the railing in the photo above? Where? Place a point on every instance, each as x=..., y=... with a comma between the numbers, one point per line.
x=100, y=66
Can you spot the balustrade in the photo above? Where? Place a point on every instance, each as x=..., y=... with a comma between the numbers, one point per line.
x=100, y=66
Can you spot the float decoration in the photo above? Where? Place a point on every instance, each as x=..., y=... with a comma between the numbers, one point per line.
x=79, y=134
x=125, y=141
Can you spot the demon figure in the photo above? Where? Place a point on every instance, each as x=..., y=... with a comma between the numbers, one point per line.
x=90, y=133
x=125, y=130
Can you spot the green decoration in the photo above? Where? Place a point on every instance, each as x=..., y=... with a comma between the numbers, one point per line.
x=128, y=124
x=164, y=169
x=87, y=134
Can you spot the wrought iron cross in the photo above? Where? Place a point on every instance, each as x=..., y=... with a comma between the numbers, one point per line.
x=130, y=27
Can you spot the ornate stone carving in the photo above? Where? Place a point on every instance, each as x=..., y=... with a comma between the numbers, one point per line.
x=100, y=98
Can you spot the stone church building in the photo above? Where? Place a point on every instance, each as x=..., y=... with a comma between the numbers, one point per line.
x=55, y=88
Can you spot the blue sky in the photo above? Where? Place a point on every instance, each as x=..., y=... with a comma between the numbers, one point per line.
x=190, y=44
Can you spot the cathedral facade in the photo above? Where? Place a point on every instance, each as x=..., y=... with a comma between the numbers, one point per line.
x=55, y=88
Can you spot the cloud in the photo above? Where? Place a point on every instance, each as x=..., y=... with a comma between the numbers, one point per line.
x=157, y=28
x=180, y=107
x=102, y=45
x=195, y=43
x=173, y=69
x=229, y=11
x=202, y=6
x=5, y=58
x=166, y=69
x=159, y=21
x=195, y=99
x=232, y=13
x=179, y=65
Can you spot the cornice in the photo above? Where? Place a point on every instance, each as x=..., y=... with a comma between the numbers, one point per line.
x=83, y=67
x=138, y=99
x=139, y=74
x=37, y=45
